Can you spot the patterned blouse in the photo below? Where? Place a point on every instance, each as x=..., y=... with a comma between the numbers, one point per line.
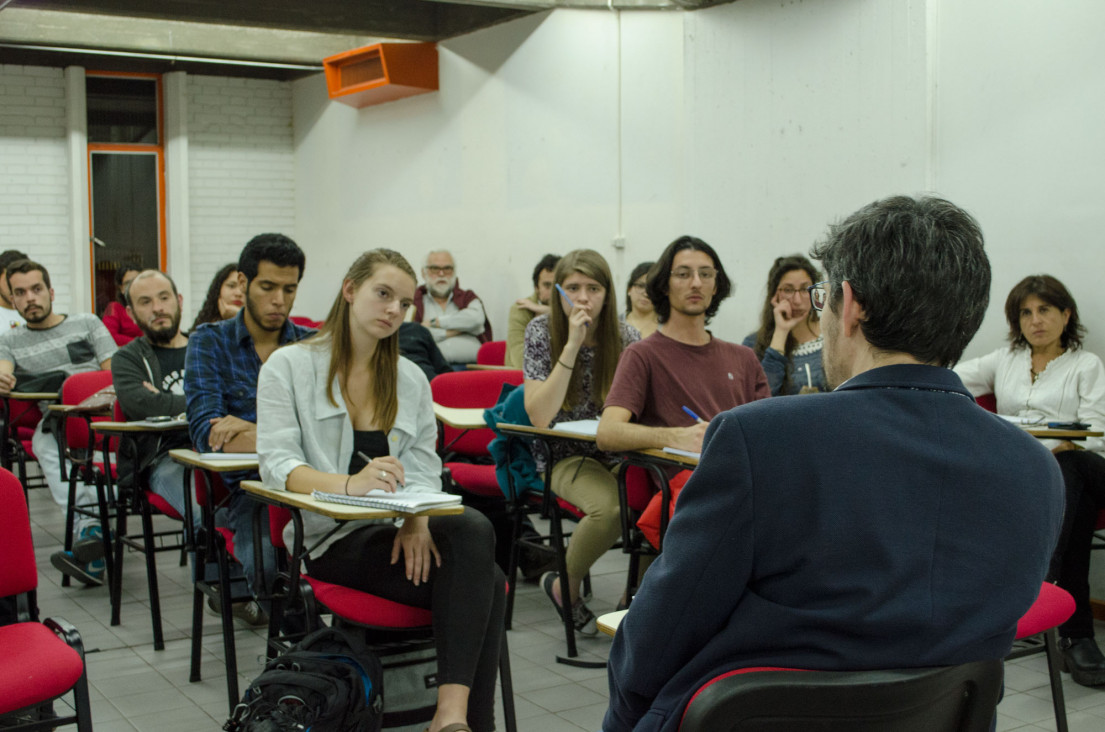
x=538, y=363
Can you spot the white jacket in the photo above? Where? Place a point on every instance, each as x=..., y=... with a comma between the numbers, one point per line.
x=1070, y=389
x=297, y=425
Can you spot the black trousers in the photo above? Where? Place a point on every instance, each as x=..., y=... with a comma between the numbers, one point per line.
x=466, y=595
x=1084, y=476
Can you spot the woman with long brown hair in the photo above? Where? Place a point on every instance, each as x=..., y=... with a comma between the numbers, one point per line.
x=788, y=342
x=570, y=358
x=342, y=412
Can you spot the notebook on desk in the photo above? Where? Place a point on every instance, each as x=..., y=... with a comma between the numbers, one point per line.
x=406, y=502
x=234, y=457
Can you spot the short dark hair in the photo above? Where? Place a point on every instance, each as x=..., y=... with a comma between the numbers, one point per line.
x=638, y=272
x=660, y=275
x=275, y=248
x=1055, y=294
x=26, y=266
x=548, y=262
x=10, y=255
x=120, y=273
x=918, y=268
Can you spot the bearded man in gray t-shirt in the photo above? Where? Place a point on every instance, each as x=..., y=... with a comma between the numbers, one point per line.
x=54, y=342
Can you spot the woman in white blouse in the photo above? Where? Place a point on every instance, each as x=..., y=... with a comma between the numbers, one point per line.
x=342, y=412
x=1045, y=375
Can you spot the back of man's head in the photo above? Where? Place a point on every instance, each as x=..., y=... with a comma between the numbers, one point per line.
x=918, y=269
x=10, y=255
x=275, y=248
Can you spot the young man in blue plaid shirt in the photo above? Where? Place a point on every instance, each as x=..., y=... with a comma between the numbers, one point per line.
x=220, y=382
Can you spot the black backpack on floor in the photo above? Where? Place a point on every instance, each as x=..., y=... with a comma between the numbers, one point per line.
x=328, y=682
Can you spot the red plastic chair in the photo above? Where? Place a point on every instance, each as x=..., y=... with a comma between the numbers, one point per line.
x=42, y=661
x=305, y=321
x=350, y=607
x=947, y=698
x=81, y=445
x=472, y=472
x=20, y=418
x=1052, y=608
x=492, y=353
x=143, y=502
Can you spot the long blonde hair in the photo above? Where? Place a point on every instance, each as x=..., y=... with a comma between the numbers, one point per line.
x=608, y=340
x=384, y=364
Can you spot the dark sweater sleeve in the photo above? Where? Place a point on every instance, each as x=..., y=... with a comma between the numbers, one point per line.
x=128, y=371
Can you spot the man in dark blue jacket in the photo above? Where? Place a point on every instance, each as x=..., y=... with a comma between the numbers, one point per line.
x=890, y=523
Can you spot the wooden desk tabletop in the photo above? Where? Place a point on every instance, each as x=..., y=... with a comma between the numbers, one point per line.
x=35, y=396
x=461, y=418
x=609, y=622
x=667, y=458
x=339, y=511
x=527, y=431
x=1045, y=432
x=78, y=409
x=139, y=426
x=193, y=459
x=489, y=367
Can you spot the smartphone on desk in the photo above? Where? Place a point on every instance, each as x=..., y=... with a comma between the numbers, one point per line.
x=1068, y=425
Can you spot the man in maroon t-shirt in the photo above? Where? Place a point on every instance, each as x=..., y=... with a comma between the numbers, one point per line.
x=681, y=366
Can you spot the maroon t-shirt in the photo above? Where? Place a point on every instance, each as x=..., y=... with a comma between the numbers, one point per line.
x=658, y=376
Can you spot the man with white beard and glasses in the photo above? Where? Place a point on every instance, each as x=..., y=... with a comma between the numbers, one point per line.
x=454, y=316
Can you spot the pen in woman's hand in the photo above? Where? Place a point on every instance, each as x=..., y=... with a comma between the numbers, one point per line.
x=367, y=460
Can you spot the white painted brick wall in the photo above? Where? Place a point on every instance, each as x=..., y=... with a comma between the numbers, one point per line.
x=34, y=171
x=241, y=171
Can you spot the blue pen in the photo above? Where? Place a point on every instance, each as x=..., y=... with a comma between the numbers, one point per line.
x=692, y=415
x=566, y=298
x=565, y=295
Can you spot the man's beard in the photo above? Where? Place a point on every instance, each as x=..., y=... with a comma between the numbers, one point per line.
x=43, y=313
x=163, y=336
x=442, y=291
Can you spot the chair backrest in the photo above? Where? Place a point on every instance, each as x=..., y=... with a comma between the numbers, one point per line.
x=305, y=321
x=76, y=389
x=492, y=353
x=18, y=572
x=278, y=519
x=989, y=402
x=961, y=698
x=1052, y=608
x=471, y=389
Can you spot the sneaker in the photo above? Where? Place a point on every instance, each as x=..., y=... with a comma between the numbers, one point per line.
x=582, y=618
x=250, y=612
x=89, y=545
x=90, y=573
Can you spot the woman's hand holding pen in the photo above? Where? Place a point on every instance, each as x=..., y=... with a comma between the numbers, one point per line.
x=579, y=320
x=379, y=474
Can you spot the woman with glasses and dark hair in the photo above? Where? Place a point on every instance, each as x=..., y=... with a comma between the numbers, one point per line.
x=1046, y=376
x=788, y=342
x=570, y=358
x=639, y=311
x=343, y=412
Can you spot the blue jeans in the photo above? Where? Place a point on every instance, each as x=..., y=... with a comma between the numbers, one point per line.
x=240, y=521
x=167, y=481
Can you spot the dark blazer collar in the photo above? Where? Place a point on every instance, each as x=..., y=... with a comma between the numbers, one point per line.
x=907, y=376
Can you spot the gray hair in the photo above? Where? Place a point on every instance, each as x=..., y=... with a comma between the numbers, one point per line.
x=431, y=253
x=918, y=268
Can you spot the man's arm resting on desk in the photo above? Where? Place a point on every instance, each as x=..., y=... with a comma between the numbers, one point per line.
x=232, y=434
x=617, y=434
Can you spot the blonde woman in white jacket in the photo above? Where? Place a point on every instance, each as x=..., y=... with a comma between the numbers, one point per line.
x=326, y=404
x=1045, y=375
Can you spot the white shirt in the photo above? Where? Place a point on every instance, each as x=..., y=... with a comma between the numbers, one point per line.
x=297, y=425
x=1070, y=389
x=10, y=318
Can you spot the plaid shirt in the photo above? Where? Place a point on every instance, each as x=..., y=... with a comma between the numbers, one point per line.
x=220, y=377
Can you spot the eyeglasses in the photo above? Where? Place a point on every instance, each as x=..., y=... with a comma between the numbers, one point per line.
x=787, y=292
x=706, y=274
x=447, y=270
x=818, y=295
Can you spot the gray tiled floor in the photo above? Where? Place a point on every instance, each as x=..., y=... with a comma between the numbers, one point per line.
x=134, y=687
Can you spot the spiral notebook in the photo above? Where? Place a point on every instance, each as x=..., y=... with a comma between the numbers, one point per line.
x=406, y=502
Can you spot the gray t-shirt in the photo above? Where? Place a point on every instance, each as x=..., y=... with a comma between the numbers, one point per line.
x=77, y=344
